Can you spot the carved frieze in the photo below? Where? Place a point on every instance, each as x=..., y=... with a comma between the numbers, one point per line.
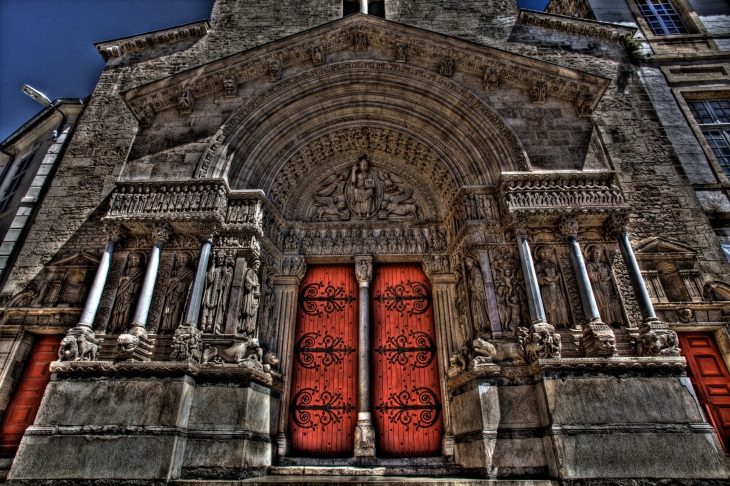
x=613, y=33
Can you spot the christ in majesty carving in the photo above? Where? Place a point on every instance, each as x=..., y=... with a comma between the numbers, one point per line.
x=364, y=197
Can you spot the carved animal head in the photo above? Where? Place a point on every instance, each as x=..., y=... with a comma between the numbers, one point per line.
x=270, y=358
x=69, y=349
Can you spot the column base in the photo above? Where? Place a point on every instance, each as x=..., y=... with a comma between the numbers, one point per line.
x=80, y=344
x=134, y=345
x=540, y=341
x=599, y=339
x=364, y=436
x=656, y=339
x=282, y=444
x=447, y=445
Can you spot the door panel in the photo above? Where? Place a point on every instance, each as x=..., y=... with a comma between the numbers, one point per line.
x=711, y=380
x=322, y=413
x=24, y=404
x=406, y=389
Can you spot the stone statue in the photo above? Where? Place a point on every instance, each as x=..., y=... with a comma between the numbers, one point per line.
x=127, y=293
x=599, y=272
x=187, y=344
x=478, y=298
x=400, y=52
x=250, y=301
x=215, y=298
x=185, y=102
x=176, y=296
x=330, y=201
x=462, y=307
x=548, y=278
x=363, y=199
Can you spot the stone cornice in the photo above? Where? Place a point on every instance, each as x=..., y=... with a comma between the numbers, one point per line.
x=589, y=28
x=423, y=48
x=118, y=47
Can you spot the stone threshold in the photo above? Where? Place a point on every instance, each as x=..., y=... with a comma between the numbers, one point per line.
x=364, y=480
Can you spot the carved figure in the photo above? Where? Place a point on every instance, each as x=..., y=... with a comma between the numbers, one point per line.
x=178, y=287
x=185, y=102
x=317, y=56
x=246, y=352
x=685, y=315
x=230, y=87
x=330, y=200
x=146, y=115
x=538, y=92
x=274, y=70
x=250, y=301
x=400, y=52
x=540, y=341
x=79, y=344
x=271, y=363
x=127, y=293
x=508, y=289
x=477, y=298
x=548, y=278
x=401, y=203
x=363, y=191
x=462, y=307
x=361, y=41
x=655, y=338
x=291, y=242
x=267, y=303
x=187, y=344
x=490, y=79
x=126, y=345
x=599, y=272
x=215, y=298
x=459, y=361
x=488, y=352
x=446, y=68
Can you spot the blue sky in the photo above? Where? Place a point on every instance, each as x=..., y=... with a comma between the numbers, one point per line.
x=49, y=44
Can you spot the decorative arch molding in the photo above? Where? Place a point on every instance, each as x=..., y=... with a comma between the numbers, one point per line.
x=258, y=139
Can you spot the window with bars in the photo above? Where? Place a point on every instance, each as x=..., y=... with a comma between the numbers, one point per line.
x=662, y=17
x=713, y=117
x=14, y=182
x=376, y=9
x=350, y=7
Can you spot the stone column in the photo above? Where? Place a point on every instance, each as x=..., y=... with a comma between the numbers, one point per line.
x=364, y=6
x=655, y=337
x=364, y=430
x=196, y=296
x=541, y=340
x=598, y=338
x=286, y=292
x=83, y=334
x=443, y=289
x=134, y=343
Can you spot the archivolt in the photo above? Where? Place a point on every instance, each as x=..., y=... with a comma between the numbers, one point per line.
x=472, y=140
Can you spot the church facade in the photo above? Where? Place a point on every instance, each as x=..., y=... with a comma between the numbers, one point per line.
x=321, y=238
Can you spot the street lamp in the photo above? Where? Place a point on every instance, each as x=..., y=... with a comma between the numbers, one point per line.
x=36, y=95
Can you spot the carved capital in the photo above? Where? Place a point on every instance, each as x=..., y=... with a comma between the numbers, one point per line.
x=540, y=341
x=569, y=226
x=294, y=266
x=364, y=269
x=161, y=232
x=617, y=224
x=436, y=265
x=187, y=344
x=207, y=232
x=114, y=232
x=598, y=339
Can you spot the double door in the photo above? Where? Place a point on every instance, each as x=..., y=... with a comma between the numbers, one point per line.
x=406, y=397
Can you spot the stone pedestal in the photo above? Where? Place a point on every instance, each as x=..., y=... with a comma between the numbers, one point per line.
x=598, y=339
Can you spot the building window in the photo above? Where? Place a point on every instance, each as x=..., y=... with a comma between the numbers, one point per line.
x=713, y=117
x=14, y=182
x=350, y=7
x=376, y=9
x=662, y=17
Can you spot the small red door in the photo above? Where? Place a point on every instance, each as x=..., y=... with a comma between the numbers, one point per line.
x=322, y=412
x=24, y=404
x=711, y=380
x=406, y=391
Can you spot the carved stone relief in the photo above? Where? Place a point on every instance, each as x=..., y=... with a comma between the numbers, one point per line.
x=126, y=295
x=446, y=68
x=509, y=288
x=477, y=297
x=116, y=270
x=177, y=292
x=251, y=290
x=218, y=281
x=550, y=279
x=599, y=272
x=167, y=262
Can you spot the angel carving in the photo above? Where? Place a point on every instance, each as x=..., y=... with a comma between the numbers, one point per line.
x=397, y=201
x=330, y=200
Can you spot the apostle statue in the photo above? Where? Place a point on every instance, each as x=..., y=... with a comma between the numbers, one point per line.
x=599, y=273
x=250, y=301
x=176, y=295
x=548, y=278
x=127, y=293
x=478, y=298
x=363, y=199
x=215, y=298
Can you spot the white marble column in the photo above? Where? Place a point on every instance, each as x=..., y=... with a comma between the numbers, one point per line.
x=364, y=430
x=534, y=299
x=364, y=6
x=196, y=296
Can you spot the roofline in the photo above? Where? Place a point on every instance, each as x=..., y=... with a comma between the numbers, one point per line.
x=580, y=19
x=38, y=118
x=207, y=21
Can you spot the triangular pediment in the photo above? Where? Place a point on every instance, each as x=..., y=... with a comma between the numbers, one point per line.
x=658, y=247
x=364, y=37
x=80, y=259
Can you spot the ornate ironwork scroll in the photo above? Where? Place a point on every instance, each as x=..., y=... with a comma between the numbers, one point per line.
x=397, y=298
x=333, y=299
x=329, y=410
x=399, y=347
x=330, y=350
x=420, y=404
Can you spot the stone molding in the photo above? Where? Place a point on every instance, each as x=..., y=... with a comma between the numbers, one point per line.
x=119, y=47
x=609, y=32
x=340, y=35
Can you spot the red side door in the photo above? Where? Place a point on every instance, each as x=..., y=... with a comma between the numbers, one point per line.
x=24, y=404
x=322, y=412
x=711, y=380
x=406, y=391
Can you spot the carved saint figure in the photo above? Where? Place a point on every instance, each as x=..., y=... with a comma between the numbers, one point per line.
x=599, y=272
x=478, y=298
x=548, y=278
x=127, y=293
x=362, y=183
x=400, y=52
x=361, y=41
x=177, y=292
x=250, y=301
x=215, y=298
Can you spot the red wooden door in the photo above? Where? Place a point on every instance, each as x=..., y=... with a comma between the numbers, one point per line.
x=323, y=413
x=24, y=404
x=406, y=391
x=711, y=380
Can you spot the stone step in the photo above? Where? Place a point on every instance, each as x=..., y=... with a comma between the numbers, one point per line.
x=381, y=470
x=362, y=480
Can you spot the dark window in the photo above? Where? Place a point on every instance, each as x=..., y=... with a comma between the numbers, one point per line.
x=377, y=9
x=14, y=182
x=662, y=17
x=349, y=7
x=713, y=117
